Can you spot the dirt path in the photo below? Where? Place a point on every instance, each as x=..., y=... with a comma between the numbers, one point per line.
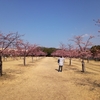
x=43, y=82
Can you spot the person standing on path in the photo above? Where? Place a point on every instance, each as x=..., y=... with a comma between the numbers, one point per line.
x=60, y=62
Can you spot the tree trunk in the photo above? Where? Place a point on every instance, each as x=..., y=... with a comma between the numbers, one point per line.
x=32, y=59
x=87, y=60
x=24, y=60
x=70, y=61
x=83, y=66
x=1, y=65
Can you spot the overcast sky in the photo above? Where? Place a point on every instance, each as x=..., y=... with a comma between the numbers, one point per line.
x=50, y=22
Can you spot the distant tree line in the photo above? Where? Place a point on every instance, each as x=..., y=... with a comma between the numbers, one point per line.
x=48, y=51
x=95, y=50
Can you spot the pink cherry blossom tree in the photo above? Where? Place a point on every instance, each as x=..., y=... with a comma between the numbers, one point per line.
x=83, y=46
x=32, y=50
x=38, y=52
x=71, y=53
x=5, y=54
x=23, y=47
x=61, y=51
x=7, y=41
x=13, y=53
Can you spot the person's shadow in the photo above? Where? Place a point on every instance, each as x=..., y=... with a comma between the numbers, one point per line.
x=57, y=69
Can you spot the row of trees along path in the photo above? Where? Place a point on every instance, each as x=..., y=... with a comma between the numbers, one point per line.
x=12, y=45
x=12, y=40
x=81, y=50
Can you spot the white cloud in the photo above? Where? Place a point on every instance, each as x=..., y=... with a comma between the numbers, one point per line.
x=85, y=35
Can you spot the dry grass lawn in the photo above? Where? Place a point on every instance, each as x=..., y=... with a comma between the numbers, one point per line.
x=40, y=80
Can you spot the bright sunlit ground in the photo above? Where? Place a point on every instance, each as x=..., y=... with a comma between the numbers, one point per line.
x=40, y=80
